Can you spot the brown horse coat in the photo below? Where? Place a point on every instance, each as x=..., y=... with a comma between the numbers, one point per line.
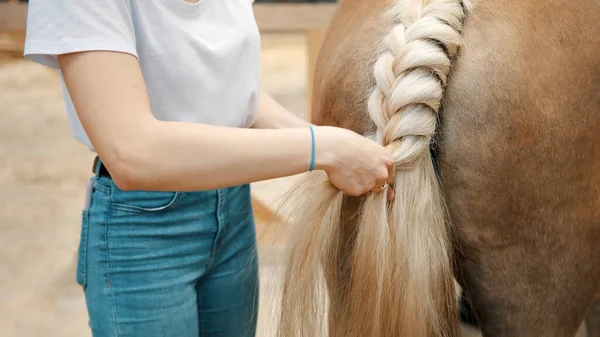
x=518, y=151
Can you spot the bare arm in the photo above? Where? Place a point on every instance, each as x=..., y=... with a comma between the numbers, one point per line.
x=141, y=152
x=271, y=115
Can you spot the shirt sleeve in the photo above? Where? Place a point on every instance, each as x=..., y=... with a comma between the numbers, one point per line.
x=56, y=27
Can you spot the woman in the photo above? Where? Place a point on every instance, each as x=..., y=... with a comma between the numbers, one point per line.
x=167, y=93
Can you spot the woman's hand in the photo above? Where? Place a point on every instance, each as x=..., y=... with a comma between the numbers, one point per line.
x=355, y=164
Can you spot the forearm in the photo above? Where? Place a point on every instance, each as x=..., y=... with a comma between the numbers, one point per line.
x=271, y=115
x=141, y=152
x=187, y=157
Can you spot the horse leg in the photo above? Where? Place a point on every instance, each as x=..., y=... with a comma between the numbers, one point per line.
x=519, y=156
x=525, y=299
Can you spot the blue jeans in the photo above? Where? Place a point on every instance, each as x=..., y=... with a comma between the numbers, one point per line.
x=169, y=264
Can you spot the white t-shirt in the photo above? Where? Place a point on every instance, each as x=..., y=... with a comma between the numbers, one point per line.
x=200, y=61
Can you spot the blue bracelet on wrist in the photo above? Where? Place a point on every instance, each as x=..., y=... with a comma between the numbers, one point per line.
x=312, y=154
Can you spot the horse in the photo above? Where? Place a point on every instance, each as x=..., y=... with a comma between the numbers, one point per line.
x=491, y=110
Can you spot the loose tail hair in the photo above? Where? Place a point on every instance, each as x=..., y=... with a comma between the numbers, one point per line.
x=393, y=275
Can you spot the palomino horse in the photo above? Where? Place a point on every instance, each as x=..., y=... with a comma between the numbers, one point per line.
x=498, y=171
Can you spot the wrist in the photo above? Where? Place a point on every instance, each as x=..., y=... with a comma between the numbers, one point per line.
x=323, y=144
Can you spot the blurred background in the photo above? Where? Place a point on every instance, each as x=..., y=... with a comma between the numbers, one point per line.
x=43, y=171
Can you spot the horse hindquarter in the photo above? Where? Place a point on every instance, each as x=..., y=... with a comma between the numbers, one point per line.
x=519, y=155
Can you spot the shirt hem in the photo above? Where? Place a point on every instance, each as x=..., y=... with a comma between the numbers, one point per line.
x=46, y=52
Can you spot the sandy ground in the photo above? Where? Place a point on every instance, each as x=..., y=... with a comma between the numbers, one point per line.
x=43, y=171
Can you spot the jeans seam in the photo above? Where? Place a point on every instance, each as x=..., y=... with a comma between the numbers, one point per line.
x=102, y=188
x=221, y=196
x=107, y=217
x=222, y=206
x=83, y=250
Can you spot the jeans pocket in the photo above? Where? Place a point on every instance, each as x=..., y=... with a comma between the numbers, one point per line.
x=81, y=274
x=142, y=201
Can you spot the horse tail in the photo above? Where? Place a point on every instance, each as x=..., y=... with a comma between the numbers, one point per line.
x=409, y=246
x=399, y=279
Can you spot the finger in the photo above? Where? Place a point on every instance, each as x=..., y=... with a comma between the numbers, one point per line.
x=380, y=188
x=391, y=173
x=391, y=194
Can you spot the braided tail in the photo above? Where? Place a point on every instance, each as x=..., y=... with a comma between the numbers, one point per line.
x=399, y=281
x=410, y=252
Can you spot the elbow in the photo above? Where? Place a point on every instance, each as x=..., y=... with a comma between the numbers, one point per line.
x=128, y=156
x=125, y=179
x=126, y=164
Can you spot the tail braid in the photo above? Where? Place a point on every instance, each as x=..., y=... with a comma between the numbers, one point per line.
x=402, y=256
x=410, y=76
x=398, y=279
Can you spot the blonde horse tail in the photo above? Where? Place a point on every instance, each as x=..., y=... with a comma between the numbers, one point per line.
x=398, y=278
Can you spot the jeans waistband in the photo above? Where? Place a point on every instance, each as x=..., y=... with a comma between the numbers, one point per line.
x=99, y=169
